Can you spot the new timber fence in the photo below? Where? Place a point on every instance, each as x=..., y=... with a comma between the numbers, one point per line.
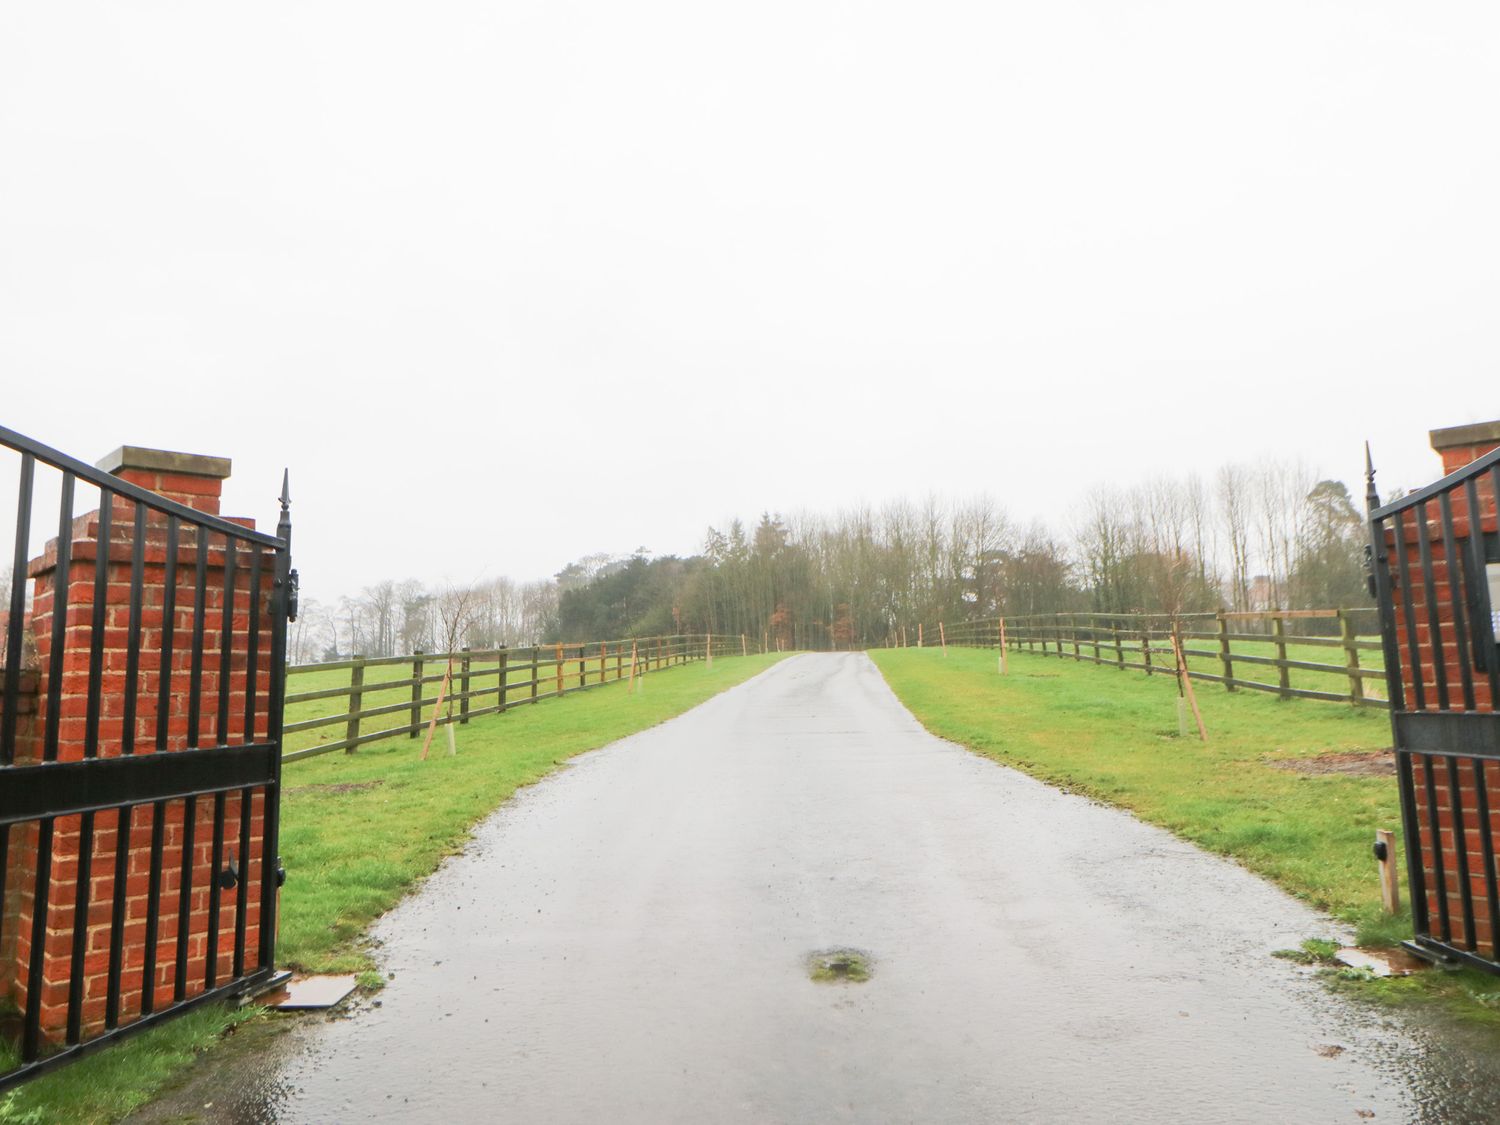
x=364, y=700
x=1277, y=651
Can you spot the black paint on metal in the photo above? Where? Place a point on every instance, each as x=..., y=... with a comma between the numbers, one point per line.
x=1449, y=837
x=105, y=769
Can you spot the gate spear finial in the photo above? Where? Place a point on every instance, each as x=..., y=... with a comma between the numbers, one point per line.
x=1372, y=498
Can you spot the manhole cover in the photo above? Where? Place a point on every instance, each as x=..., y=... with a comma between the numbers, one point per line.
x=833, y=965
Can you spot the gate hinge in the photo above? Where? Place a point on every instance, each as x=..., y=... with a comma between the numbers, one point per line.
x=1370, y=568
x=293, y=588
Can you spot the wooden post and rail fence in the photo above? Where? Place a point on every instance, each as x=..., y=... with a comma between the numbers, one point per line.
x=1229, y=648
x=393, y=695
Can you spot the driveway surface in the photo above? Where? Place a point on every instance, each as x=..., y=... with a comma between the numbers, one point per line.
x=628, y=942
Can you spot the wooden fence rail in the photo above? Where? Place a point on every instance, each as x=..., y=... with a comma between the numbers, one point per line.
x=481, y=682
x=1144, y=642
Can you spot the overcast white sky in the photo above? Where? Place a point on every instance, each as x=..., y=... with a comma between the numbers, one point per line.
x=508, y=283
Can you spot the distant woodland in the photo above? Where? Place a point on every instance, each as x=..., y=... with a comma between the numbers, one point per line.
x=1269, y=536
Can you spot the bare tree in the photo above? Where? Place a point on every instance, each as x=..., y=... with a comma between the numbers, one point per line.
x=1234, y=513
x=456, y=607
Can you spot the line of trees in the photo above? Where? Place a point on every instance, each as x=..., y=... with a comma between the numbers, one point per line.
x=394, y=618
x=1272, y=535
x=1269, y=536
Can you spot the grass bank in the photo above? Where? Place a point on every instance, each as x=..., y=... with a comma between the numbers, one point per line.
x=358, y=832
x=1256, y=792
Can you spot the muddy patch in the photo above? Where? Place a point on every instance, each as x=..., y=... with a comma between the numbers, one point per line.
x=1351, y=763
x=834, y=965
x=334, y=789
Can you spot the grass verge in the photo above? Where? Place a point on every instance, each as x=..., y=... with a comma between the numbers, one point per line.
x=359, y=832
x=1113, y=736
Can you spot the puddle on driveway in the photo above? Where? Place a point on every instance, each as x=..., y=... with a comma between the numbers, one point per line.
x=834, y=965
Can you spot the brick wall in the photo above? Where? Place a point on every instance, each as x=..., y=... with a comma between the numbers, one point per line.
x=136, y=721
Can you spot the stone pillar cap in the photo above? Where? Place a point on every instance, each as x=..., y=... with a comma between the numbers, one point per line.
x=163, y=461
x=1475, y=433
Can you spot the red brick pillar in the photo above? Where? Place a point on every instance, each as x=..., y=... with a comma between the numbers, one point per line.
x=194, y=481
x=1461, y=445
x=1458, y=446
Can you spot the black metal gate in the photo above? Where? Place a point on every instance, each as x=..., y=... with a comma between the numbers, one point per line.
x=140, y=735
x=1435, y=564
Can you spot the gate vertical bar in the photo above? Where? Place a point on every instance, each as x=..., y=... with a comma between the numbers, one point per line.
x=15, y=623
x=1380, y=573
x=282, y=608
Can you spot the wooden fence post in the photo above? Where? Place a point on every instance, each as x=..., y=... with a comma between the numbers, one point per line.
x=416, y=694
x=1146, y=647
x=1283, y=673
x=557, y=666
x=536, y=670
x=1119, y=647
x=603, y=660
x=1004, y=662
x=1225, y=657
x=503, y=672
x=356, y=703
x=1351, y=659
x=463, y=686
x=1390, y=881
x=583, y=666
x=744, y=647
x=1073, y=629
x=919, y=634
x=943, y=637
x=1094, y=636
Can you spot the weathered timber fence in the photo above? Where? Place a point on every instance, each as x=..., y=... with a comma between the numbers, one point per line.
x=1235, y=642
x=483, y=682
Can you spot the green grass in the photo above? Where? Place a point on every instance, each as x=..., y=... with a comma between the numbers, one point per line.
x=108, y=1085
x=360, y=831
x=1112, y=736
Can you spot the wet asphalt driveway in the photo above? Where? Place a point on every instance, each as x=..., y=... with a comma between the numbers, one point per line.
x=628, y=942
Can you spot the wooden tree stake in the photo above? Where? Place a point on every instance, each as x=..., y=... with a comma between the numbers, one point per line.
x=1185, y=682
x=436, y=709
